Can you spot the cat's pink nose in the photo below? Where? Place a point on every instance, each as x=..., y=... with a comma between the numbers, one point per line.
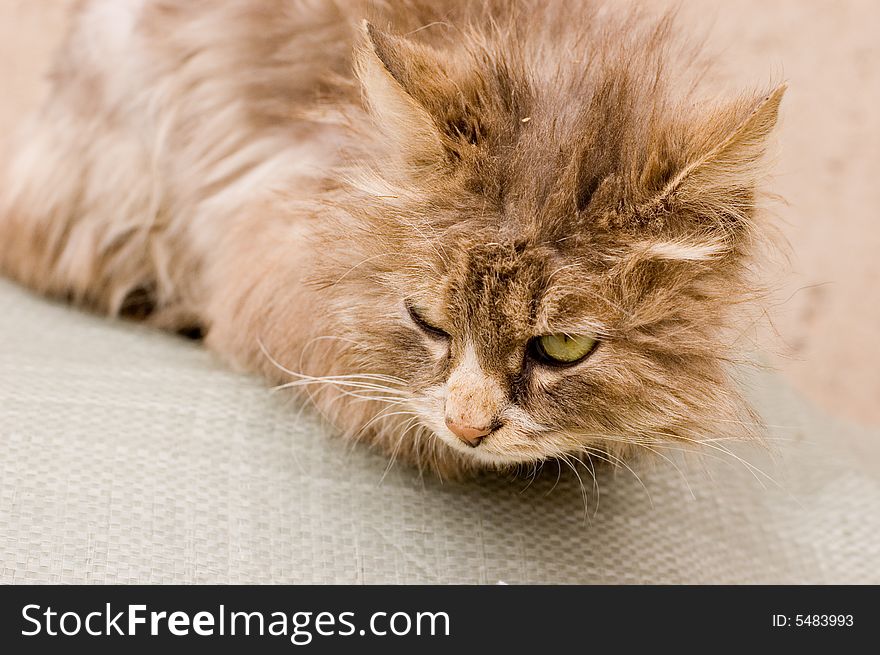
x=469, y=434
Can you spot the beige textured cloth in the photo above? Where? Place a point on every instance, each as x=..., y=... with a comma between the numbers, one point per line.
x=132, y=456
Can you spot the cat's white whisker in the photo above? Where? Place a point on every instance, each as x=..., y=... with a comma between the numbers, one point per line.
x=670, y=440
x=565, y=458
x=356, y=266
x=592, y=473
x=413, y=422
x=616, y=462
x=366, y=386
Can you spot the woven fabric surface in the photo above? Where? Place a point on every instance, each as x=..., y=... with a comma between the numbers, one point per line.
x=130, y=456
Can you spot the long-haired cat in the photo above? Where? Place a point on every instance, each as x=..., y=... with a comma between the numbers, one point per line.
x=475, y=234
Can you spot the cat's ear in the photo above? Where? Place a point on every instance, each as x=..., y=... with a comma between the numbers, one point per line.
x=714, y=179
x=390, y=68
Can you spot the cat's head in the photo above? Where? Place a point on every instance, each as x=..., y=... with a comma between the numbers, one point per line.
x=548, y=242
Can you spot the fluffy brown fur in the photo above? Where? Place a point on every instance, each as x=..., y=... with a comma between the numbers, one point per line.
x=294, y=180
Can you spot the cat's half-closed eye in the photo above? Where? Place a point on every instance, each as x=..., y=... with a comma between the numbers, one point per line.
x=424, y=324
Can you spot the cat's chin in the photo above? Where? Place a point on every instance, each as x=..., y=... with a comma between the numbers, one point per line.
x=486, y=456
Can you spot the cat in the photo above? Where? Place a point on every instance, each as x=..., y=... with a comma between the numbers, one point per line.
x=476, y=235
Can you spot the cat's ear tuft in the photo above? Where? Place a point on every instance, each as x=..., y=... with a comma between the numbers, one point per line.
x=388, y=67
x=716, y=176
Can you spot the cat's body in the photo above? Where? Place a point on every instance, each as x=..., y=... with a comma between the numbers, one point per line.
x=393, y=223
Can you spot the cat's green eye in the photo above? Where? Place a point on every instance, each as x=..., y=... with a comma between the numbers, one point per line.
x=563, y=349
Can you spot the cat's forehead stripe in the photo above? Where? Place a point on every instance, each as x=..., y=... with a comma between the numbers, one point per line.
x=506, y=289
